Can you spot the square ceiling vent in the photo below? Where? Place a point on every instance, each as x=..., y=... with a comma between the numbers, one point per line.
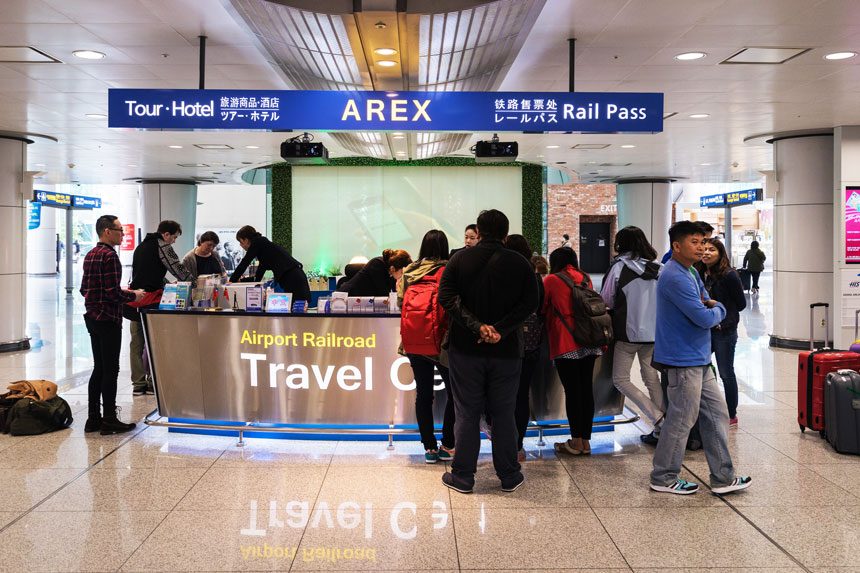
x=590, y=146
x=25, y=55
x=212, y=146
x=754, y=55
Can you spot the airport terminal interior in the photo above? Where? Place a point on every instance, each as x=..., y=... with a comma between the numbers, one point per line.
x=742, y=114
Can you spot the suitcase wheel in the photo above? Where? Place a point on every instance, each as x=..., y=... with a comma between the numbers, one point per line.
x=823, y=434
x=802, y=429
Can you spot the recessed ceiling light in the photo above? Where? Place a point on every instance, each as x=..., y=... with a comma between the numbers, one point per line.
x=552, y=146
x=628, y=146
x=386, y=63
x=384, y=51
x=704, y=164
x=699, y=115
x=95, y=115
x=398, y=136
x=40, y=164
x=690, y=56
x=175, y=146
x=840, y=55
x=192, y=165
x=401, y=153
x=132, y=164
x=252, y=147
x=539, y=156
x=391, y=94
x=88, y=54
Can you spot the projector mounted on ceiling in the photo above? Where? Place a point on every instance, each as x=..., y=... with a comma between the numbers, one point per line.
x=300, y=150
x=495, y=151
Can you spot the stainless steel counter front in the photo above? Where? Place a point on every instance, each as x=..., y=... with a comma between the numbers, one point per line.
x=305, y=369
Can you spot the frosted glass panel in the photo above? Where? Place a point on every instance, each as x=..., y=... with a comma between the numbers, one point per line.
x=341, y=212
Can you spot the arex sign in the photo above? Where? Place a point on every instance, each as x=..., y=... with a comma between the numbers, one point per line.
x=386, y=111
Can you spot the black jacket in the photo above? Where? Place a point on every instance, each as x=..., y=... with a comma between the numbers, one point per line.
x=270, y=256
x=501, y=293
x=372, y=280
x=729, y=291
x=148, y=270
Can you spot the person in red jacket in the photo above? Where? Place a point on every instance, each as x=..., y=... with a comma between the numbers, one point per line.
x=574, y=363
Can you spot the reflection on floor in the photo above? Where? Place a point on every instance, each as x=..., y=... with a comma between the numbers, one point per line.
x=153, y=501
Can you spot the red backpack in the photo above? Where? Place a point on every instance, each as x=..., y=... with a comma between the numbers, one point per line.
x=423, y=321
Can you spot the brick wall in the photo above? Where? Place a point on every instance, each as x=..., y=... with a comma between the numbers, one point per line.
x=567, y=203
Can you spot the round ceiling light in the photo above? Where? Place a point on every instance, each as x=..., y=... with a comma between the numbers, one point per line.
x=252, y=147
x=687, y=56
x=628, y=146
x=840, y=55
x=175, y=146
x=552, y=146
x=88, y=54
x=699, y=115
x=384, y=51
x=386, y=63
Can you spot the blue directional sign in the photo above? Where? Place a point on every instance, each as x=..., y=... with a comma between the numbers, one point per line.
x=713, y=200
x=34, y=216
x=66, y=201
x=386, y=111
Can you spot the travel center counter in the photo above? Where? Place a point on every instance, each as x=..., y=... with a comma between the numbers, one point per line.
x=267, y=372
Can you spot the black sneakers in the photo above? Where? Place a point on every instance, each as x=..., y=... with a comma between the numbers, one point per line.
x=94, y=424
x=449, y=481
x=514, y=484
x=112, y=425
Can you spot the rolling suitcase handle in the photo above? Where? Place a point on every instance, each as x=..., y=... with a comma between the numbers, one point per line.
x=812, y=324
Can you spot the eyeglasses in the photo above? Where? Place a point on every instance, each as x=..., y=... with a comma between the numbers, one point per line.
x=120, y=229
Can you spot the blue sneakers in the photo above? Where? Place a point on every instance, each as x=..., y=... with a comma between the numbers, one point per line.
x=739, y=483
x=431, y=456
x=680, y=487
x=445, y=455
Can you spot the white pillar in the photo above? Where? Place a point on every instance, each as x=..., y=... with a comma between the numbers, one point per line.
x=647, y=204
x=13, y=247
x=803, y=236
x=173, y=199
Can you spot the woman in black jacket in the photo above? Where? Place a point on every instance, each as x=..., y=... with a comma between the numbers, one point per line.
x=287, y=271
x=379, y=275
x=724, y=285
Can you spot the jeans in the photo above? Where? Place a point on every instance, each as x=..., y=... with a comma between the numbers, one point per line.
x=693, y=393
x=140, y=376
x=478, y=381
x=522, y=411
x=577, y=377
x=723, y=345
x=105, y=339
x=755, y=275
x=622, y=362
x=423, y=370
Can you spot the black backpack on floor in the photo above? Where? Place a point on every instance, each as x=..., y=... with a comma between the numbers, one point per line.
x=28, y=417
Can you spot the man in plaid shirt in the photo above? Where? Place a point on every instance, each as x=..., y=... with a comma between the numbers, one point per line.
x=103, y=299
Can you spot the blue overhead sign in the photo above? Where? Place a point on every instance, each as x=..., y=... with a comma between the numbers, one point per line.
x=66, y=201
x=731, y=199
x=713, y=201
x=386, y=111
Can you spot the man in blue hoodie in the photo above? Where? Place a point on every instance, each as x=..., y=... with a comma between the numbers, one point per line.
x=682, y=346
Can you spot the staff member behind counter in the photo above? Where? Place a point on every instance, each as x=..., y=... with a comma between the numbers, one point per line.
x=378, y=277
x=287, y=271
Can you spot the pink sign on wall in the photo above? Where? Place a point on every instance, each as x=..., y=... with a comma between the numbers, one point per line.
x=852, y=224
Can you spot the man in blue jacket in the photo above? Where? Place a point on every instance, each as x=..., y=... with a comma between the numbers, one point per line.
x=682, y=346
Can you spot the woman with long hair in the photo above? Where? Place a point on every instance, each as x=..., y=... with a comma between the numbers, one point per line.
x=630, y=293
x=426, y=272
x=724, y=285
x=379, y=276
x=574, y=363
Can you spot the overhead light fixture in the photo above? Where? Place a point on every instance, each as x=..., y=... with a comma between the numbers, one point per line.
x=401, y=153
x=386, y=63
x=704, y=164
x=384, y=51
x=552, y=146
x=212, y=146
x=398, y=137
x=40, y=164
x=840, y=55
x=96, y=115
x=391, y=94
x=132, y=164
x=252, y=147
x=88, y=54
x=686, y=56
x=699, y=115
x=538, y=155
x=628, y=146
x=175, y=146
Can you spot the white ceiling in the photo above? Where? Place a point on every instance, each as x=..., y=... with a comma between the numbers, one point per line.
x=622, y=45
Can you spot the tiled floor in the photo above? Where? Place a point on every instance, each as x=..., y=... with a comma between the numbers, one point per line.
x=158, y=501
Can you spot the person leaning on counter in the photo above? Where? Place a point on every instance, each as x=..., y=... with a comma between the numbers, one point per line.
x=287, y=271
x=379, y=275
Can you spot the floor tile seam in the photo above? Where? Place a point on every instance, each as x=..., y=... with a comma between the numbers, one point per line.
x=68, y=483
x=316, y=499
x=755, y=526
x=597, y=517
x=167, y=514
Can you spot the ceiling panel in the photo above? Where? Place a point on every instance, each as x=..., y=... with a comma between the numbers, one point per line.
x=30, y=12
x=48, y=35
x=101, y=12
x=122, y=35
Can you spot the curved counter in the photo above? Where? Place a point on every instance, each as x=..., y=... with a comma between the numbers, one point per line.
x=307, y=370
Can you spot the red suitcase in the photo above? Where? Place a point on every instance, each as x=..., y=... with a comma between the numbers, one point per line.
x=812, y=370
